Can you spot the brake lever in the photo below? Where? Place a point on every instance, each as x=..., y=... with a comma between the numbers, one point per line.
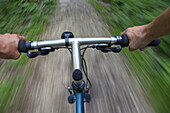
x=103, y=47
x=32, y=54
x=110, y=49
x=105, y=50
x=116, y=49
x=42, y=51
x=35, y=54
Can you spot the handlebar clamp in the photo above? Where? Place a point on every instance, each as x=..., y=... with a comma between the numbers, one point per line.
x=66, y=35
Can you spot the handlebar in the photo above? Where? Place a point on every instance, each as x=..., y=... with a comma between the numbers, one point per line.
x=122, y=40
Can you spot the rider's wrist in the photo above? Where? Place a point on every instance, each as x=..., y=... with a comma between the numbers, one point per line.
x=149, y=33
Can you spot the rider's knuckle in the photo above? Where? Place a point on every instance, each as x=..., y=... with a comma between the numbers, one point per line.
x=15, y=35
x=128, y=29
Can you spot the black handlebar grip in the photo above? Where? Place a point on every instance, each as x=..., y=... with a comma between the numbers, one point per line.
x=22, y=46
x=125, y=41
x=154, y=43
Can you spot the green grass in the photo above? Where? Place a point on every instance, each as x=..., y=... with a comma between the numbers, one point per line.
x=27, y=18
x=151, y=67
x=11, y=85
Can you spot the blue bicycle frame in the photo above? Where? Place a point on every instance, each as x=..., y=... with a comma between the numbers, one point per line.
x=79, y=102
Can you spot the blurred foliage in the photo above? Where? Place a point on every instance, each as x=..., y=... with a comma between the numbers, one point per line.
x=24, y=17
x=151, y=67
x=29, y=19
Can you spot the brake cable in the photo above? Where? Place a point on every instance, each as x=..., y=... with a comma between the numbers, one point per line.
x=84, y=67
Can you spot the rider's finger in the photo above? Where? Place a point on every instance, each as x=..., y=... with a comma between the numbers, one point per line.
x=17, y=55
x=124, y=32
x=6, y=34
x=14, y=35
x=132, y=46
x=141, y=49
x=21, y=38
x=131, y=49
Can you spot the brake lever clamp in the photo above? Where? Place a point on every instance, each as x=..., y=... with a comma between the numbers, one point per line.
x=47, y=49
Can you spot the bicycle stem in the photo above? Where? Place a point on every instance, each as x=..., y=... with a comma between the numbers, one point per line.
x=76, y=55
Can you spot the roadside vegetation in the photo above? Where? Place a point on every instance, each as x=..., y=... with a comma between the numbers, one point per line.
x=152, y=66
x=27, y=18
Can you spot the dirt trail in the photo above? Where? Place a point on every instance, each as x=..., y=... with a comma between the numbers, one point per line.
x=114, y=89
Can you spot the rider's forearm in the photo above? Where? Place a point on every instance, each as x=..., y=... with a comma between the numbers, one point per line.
x=160, y=26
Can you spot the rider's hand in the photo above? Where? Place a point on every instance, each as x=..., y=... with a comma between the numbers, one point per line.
x=138, y=38
x=9, y=46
